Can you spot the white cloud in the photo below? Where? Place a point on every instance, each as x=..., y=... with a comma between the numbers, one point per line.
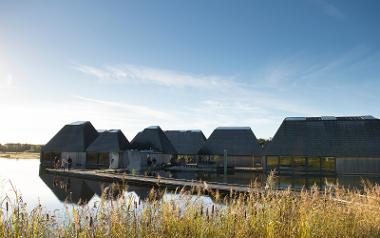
x=131, y=108
x=329, y=9
x=141, y=74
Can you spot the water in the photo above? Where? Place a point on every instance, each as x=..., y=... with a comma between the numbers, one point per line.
x=58, y=192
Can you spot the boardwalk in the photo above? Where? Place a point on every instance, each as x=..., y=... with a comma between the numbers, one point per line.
x=109, y=176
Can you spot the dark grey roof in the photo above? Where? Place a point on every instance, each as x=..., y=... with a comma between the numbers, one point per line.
x=68, y=189
x=236, y=140
x=327, y=136
x=109, y=141
x=75, y=137
x=186, y=142
x=153, y=138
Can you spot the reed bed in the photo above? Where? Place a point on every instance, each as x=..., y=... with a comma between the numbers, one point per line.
x=332, y=212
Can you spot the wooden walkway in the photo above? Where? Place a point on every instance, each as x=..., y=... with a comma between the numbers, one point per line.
x=110, y=176
x=195, y=168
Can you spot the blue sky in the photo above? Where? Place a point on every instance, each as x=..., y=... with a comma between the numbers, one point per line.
x=184, y=64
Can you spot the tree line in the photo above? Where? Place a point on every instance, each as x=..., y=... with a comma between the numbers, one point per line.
x=17, y=147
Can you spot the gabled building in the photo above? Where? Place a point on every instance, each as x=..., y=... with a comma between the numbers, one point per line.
x=149, y=148
x=319, y=145
x=187, y=144
x=153, y=139
x=107, y=150
x=239, y=144
x=70, y=142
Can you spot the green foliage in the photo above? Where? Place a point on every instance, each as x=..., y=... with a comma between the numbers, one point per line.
x=262, y=142
x=133, y=172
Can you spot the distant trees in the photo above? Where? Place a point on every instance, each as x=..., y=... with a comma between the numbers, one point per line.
x=262, y=141
x=17, y=147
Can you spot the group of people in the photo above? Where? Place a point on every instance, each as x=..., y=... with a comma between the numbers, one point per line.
x=58, y=164
x=151, y=162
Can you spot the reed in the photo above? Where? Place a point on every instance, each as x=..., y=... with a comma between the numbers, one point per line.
x=332, y=212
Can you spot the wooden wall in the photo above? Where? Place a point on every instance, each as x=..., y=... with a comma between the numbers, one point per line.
x=358, y=166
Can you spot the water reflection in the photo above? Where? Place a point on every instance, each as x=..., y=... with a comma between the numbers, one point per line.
x=296, y=182
x=66, y=189
x=80, y=191
x=53, y=191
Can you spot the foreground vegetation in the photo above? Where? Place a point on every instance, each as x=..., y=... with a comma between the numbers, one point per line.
x=333, y=212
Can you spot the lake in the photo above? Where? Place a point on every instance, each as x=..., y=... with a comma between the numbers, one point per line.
x=57, y=192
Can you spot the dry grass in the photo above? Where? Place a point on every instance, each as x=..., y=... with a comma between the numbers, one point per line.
x=20, y=155
x=333, y=212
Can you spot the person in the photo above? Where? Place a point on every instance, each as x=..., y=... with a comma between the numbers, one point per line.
x=149, y=161
x=56, y=162
x=69, y=163
x=59, y=164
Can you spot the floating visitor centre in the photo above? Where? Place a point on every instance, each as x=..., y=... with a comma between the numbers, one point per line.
x=301, y=145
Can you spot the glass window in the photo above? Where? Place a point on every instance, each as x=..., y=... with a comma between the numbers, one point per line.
x=104, y=159
x=50, y=156
x=328, y=164
x=299, y=163
x=285, y=163
x=272, y=162
x=92, y=158
x=314, y=163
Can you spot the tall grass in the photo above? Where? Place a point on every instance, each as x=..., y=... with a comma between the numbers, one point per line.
x=332, y=212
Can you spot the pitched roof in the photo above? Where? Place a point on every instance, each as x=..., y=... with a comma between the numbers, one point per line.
x=186, y=142
x=153, y=138
x=327, y=136
x=236, y=140
x=74, y=191
x=74, y=137
x=109, y=141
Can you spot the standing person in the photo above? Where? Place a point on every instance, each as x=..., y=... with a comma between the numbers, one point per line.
x=56, y=162
x=149, y=161
x=69, y=163
x=59, y=164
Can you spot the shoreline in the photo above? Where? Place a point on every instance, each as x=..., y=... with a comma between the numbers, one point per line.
x=19, y=155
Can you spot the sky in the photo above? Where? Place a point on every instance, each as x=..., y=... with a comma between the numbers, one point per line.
x=184, y=64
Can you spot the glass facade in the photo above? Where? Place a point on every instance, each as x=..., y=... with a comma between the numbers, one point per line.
x=104, y=160
x=301, y=164
x=50, y=156
x=272, y=162
x=98, y=160
x=285, y=163
x=328, y=164
x=314, y=163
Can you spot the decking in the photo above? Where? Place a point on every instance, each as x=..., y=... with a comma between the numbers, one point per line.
x=170, y=183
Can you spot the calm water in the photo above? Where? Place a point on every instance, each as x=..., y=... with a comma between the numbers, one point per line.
x=59, y=192
x=55, y=192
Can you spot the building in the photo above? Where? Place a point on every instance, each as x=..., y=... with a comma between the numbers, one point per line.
x=107, y=150
x=70, y=142
x=239, y=144
x=149, y=148
x=187, y=144
x=325, y=145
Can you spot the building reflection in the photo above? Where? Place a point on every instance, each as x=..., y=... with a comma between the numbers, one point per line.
x=80, y=191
